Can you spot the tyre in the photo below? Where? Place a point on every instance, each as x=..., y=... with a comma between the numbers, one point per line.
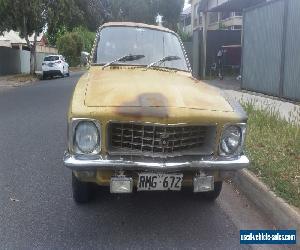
x=213, y=195
x=62, y=73
x=68, y=74
x=82, y=191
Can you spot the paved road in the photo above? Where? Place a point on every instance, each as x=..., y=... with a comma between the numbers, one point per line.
x=37, y=210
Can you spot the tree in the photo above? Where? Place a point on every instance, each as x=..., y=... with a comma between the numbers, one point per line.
x=96, y=12
x=65, y=15
x=146, y=11
x=28, y=17
x=54, y=33
x=72, y=43
x=87, y=37
x=171, y=10
x=133, y=10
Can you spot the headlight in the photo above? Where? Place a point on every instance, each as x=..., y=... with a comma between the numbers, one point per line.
x=232, y=140
x=86, y=137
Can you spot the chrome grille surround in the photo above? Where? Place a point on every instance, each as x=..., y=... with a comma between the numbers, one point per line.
x=157, y=140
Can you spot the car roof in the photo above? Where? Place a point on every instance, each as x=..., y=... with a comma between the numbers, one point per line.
x=139, y=25
x=52, y=55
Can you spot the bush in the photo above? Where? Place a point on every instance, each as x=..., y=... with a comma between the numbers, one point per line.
x=70, y=44
x=185, y=37
x=87, y=37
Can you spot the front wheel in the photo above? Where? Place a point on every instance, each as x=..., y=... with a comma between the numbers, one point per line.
x=82, y=191
x=213, y=195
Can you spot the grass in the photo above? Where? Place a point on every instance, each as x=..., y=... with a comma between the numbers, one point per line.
x=273, y=146
x=76, y=69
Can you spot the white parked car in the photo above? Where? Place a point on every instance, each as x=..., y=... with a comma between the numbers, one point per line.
x=55, y=65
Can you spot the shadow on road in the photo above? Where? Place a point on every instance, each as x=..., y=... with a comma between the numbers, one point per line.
x=164, y=219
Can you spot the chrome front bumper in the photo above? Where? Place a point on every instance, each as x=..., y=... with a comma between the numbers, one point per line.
x=81, y=163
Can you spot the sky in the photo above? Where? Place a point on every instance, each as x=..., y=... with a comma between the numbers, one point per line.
x=186, y=4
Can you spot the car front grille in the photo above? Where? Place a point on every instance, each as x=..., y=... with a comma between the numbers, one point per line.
x=160, y=140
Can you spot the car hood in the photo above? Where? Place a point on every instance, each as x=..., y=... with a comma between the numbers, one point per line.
x=137, y=87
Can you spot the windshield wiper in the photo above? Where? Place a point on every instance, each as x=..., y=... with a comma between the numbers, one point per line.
x=162, y=60
x=127, y=58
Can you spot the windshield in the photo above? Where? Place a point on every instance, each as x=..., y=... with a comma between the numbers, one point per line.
x=51, y=58
x=116, y=42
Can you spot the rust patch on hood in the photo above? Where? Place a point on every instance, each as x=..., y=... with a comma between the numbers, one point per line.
x=145, y=105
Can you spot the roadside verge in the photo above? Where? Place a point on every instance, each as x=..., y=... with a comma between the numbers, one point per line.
x=17, y=80
x=283, y=215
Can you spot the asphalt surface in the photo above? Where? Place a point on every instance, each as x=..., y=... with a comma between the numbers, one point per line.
x=36, y=206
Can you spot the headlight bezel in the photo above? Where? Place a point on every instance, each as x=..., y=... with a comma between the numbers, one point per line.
x=240, y=148
x=73, y=148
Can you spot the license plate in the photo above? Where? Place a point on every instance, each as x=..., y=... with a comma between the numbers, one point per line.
x=159, y=182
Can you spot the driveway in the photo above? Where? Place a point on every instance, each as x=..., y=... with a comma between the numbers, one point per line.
x=36, y=206
x=289, y=111
x=229, y=83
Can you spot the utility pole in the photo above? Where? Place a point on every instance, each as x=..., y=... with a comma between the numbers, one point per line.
x=159, y=20
x=204, y=43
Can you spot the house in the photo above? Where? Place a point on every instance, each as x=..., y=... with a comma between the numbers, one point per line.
x=15, y=54
x=185, y=23
x=12, y=39
x=219, y=17
x=217, y=20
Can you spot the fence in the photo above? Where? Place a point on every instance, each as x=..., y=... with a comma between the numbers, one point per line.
x=9, y=61
x=271, y=50
x=15, y=61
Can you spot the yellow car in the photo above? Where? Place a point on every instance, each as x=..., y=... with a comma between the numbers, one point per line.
x=139, y=121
